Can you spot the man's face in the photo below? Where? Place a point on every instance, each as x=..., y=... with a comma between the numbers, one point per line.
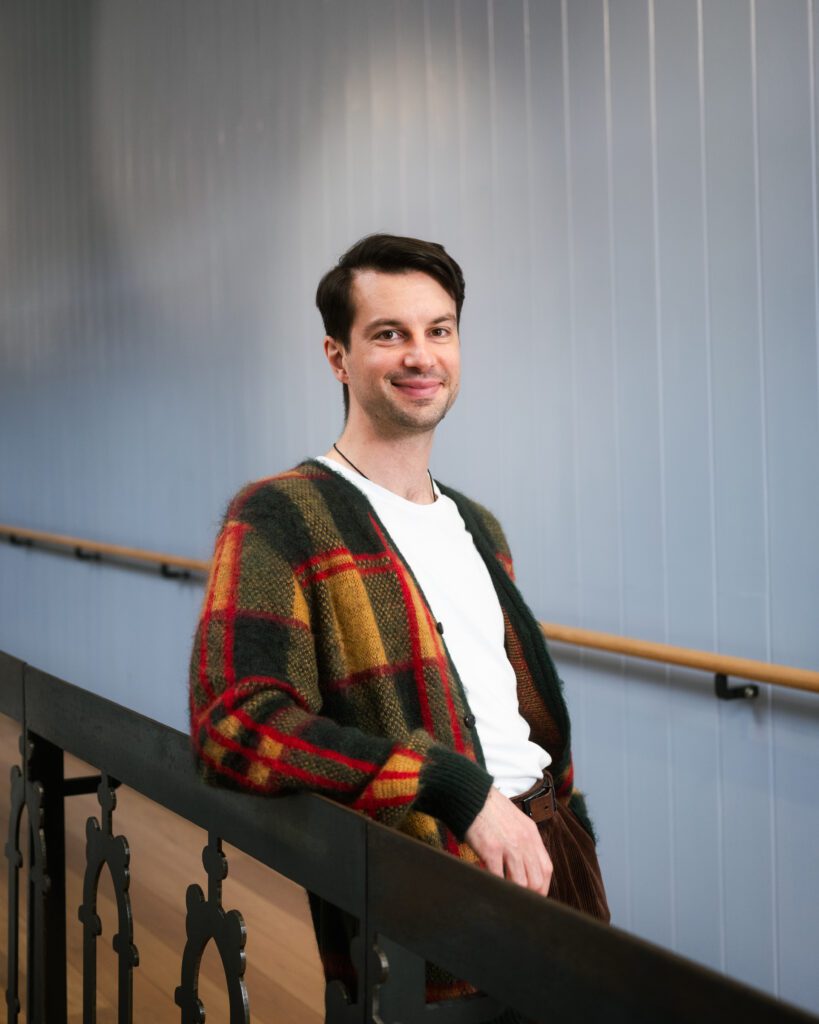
x=402, y=366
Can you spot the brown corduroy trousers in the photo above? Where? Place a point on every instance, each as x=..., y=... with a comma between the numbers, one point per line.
x=576, y=877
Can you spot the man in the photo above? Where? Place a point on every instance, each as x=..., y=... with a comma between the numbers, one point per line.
x=361, y=634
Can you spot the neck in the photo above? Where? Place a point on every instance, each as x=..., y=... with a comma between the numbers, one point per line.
x=401, y=465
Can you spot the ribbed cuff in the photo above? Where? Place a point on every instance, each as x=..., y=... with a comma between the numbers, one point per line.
x=453, y=789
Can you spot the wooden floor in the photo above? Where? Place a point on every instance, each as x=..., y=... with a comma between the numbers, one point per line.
x=283, y=974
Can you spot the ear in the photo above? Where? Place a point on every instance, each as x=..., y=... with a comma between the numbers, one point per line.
x=336, y=355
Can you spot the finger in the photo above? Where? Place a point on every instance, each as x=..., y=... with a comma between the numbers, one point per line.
x=547, y=870
x=515, y=867
x=529, y=867
x=494, y=863
x=538, y=865
x=539, y=872
x=537, y=862
x=534, y=877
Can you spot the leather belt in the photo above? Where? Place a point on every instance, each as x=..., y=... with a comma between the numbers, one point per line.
x=538, y=803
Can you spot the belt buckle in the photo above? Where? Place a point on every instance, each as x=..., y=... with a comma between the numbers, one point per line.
x=540, y=806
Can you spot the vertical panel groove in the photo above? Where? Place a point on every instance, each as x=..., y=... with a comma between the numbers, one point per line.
x=530, y=156
x=658, y=321
x=813, y=170
x=709, y=383
x=373, y=92
x=403, y=137
x=429, y=96
x=529, y=177
x=530, y=133
x=500, y=419
x=760, y=312
x=461, y=102
x=493, y=103
x=567, y=125
x=760, y=315
x=624, y=681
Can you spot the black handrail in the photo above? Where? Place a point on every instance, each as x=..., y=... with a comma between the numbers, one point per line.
x=545, y=960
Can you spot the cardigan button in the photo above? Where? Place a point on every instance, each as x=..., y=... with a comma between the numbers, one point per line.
x=440, y=627
x=469, y=721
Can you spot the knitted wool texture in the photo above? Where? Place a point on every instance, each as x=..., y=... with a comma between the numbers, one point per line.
x=317, y=664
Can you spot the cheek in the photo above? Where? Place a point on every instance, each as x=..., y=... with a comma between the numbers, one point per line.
x=376, y=369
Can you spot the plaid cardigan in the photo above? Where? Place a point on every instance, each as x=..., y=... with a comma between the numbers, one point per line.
x=317, y=664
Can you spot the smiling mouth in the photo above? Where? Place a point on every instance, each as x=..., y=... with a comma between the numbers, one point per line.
x=418, y=388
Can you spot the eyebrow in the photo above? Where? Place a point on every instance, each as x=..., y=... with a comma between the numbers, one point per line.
x=392, y=322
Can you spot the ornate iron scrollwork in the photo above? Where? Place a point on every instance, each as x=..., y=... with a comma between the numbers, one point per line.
x=15, y=859
x=103, y=847
x=28, y=794
x=206, y=920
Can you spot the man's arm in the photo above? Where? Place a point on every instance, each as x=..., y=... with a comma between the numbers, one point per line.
x=256, y=703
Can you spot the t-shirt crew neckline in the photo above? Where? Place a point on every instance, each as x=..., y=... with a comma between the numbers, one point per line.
x=384, y=493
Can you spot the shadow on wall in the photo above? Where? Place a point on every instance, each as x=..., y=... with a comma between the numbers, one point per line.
x=57, y=246
x=115, y=220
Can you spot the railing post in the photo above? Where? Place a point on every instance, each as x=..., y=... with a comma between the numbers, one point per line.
x=208, y=921
x=103, y=847
x=46, y=890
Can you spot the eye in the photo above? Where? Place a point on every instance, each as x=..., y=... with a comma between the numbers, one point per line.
x=440, y=332
x=390, y=334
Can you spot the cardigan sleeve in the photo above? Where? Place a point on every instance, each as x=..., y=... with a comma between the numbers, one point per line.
x=256, y=704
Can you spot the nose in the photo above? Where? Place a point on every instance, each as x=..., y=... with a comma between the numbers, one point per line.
x=419, y=353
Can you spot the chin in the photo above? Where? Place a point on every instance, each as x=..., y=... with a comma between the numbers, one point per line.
x=423, y=422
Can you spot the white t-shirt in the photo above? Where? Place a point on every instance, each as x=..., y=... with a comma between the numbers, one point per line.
x=439, y=549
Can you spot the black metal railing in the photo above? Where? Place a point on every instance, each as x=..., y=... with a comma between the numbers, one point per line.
x=546, y=961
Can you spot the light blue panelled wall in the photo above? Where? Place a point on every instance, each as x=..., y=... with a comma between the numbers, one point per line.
x=631, y=188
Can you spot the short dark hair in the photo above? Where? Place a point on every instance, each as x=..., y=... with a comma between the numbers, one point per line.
x=389, y=254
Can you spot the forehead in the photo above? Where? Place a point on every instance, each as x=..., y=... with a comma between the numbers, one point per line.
x=411, y=295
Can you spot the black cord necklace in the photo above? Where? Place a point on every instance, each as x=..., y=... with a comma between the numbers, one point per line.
x=355, y=467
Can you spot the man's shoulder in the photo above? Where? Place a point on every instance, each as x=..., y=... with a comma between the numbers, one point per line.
x=306, y=507
x=304, y=512
x=292, y=486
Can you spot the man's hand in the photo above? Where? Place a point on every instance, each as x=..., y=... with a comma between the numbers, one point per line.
x=509, y=843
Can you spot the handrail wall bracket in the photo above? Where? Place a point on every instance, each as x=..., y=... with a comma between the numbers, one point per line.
x=173, y=574
x=748, y=691
x=86, y=556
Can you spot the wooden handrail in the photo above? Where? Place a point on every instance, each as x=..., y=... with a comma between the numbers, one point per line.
x=726, y=664
x=706, y=661
x=93, y=547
